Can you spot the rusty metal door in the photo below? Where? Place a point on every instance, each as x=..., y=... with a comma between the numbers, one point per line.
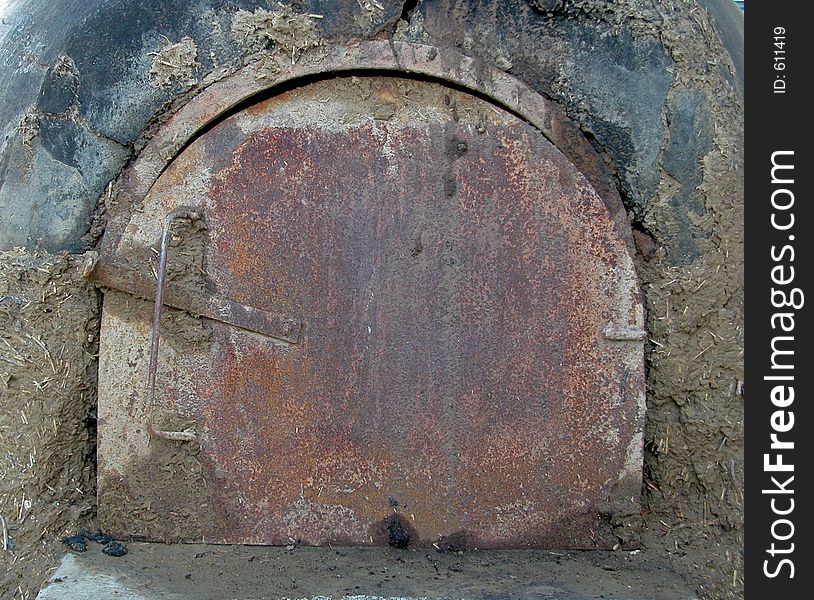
x=420, y=326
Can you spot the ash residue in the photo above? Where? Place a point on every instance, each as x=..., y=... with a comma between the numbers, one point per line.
x=174, y=64
x=283, y=30
x=49, y=321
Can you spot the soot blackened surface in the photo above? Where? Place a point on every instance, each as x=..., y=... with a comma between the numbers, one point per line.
x=396, y=531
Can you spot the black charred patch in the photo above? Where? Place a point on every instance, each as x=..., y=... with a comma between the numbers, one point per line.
x=79, y=543
x=398, y=534
x=396, y=531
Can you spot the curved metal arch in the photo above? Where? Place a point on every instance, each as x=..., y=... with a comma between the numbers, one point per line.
x=445, y=65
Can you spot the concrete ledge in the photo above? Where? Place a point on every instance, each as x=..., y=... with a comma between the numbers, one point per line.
x=183, y=572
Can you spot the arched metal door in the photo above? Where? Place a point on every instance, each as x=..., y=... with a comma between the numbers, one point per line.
x=421, y=326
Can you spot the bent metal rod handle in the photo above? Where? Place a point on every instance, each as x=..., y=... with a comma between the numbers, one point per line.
x=187, y=435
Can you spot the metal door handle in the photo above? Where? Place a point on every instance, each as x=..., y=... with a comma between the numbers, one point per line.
x=187, y=435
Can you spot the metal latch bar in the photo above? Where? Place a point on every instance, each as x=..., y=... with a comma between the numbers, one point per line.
x=113, y=275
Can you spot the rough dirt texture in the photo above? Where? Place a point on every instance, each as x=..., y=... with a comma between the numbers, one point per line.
x=694, y=432
x=174, y=63
x=185, y=266
x=159, y=571
x=283, y=30
x=49, y=322
x=177, y=506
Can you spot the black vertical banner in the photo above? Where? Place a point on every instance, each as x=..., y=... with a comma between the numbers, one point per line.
x=779, y=229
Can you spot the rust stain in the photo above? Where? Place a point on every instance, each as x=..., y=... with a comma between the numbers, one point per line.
x=452, y=383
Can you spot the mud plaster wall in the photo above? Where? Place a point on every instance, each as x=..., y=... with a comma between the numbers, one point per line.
x=48, y=338
x=649, y=82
